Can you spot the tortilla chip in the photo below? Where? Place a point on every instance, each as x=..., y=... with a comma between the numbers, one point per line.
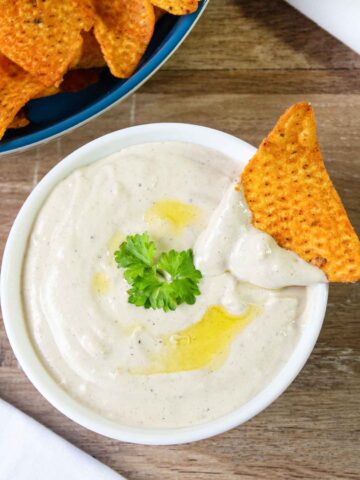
x=20, y=120
x=76, y=80
x=17, y=87
x=158, y=13
x=91, y=55
x=177, y=7
x=124, y=30
x=293, y=199
x=47, y=92
x=44, y=37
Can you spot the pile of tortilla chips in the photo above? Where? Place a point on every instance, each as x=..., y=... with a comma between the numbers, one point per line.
x=49, y=46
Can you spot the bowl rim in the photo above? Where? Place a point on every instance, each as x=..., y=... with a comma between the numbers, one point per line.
x=181, y=30
x=14, y=319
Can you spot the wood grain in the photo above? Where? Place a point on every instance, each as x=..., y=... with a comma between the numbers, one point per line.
x=245, y=62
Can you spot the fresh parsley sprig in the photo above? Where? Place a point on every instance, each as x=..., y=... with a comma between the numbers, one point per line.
x=165, y=283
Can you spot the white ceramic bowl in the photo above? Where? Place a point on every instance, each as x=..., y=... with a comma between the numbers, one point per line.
x=15, y=323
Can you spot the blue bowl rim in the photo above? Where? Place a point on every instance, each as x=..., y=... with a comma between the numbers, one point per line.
x=180, y=31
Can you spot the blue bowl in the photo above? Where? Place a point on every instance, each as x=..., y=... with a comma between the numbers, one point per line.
x=52, y=116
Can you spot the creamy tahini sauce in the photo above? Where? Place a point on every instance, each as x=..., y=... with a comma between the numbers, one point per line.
x=145, y=367
x=231, y=243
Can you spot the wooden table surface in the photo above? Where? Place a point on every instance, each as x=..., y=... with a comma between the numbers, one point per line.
x=245, y=62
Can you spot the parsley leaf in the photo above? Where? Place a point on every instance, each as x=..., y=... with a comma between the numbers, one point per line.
x=135, y=255
x=165, y=283
x=138, y=249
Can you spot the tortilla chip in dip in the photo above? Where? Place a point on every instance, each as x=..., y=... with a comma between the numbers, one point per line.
x=292, y=198
x=123, y=30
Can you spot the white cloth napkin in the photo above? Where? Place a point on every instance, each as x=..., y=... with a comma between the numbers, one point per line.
x=29, y=451
x=341, y=18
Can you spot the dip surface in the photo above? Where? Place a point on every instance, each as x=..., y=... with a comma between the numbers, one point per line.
x=101, y=349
